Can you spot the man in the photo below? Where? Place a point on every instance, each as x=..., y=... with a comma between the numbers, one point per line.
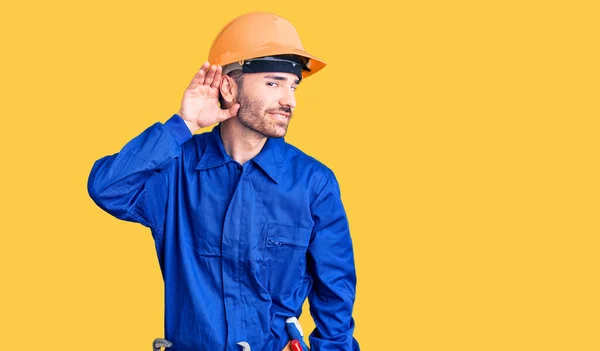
x=246, y=226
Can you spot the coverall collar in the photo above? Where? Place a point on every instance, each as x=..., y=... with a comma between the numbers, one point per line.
x=269, y=159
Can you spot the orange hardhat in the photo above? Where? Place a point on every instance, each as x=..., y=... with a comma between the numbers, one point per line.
x=259, y=34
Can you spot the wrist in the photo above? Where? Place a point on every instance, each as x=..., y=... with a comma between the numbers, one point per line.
x=177, y=127
x=193, y=127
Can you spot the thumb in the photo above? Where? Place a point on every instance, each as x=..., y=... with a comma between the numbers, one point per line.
x=231, y=112
x=227, y=114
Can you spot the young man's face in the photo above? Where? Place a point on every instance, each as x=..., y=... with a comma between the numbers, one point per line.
x=267, y=102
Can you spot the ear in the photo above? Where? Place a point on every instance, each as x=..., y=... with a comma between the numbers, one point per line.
x=228, y=90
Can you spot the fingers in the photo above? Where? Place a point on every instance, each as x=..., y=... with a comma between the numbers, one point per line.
x=210, y=76
x=199, y=77
x=207, y=75
x=217, y=79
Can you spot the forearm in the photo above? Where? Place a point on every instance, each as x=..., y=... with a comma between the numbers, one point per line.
x=115, y=181
x=331, y=306
x=332, y=268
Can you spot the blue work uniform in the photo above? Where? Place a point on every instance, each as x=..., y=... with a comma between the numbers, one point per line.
x=240, y=247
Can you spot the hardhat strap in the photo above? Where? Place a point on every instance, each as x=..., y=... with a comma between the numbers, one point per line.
x=266, y=64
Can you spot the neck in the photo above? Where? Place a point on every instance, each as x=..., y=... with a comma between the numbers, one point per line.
x=240, y=142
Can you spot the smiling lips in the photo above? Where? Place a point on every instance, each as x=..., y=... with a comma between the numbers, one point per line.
x=280, y=115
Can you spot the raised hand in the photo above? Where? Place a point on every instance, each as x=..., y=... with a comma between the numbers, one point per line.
x=200, y=105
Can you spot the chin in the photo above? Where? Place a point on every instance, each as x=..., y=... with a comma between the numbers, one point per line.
x=279, y=132
x=273, y=130
x=275, y=134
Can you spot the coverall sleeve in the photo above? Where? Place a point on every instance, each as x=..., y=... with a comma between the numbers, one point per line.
x=330, y=263
x=132, y=184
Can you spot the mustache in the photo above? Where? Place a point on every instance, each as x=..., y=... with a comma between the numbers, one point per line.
x=283, y=109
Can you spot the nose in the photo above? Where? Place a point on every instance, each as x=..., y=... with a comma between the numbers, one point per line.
x=288, y=98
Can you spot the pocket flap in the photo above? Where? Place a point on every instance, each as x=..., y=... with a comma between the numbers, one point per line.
x=288, y=235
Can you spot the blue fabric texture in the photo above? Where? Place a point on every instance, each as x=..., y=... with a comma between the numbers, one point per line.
x=240, y=247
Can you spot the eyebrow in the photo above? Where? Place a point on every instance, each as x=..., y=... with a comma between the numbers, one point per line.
x=275, y=77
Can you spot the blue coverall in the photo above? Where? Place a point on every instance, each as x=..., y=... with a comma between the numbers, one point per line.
x=240, y=247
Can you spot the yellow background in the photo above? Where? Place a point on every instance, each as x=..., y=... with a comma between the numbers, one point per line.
x=464, y=136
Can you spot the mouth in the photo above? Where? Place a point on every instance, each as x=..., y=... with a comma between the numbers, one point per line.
x=282, y=116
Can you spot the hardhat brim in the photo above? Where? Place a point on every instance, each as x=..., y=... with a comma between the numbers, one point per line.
x=315, y=64
x=259, y=34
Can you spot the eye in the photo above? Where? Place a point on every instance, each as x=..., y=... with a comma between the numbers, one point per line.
x=272, y=84
x=295, y=87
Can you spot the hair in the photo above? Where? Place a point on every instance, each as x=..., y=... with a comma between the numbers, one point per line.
x=238, y=76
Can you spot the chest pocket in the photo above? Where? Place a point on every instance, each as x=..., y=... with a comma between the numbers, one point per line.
x=285, y=257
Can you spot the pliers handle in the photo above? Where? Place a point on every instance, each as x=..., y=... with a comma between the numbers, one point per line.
x=158, y=343
x=296, y=335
